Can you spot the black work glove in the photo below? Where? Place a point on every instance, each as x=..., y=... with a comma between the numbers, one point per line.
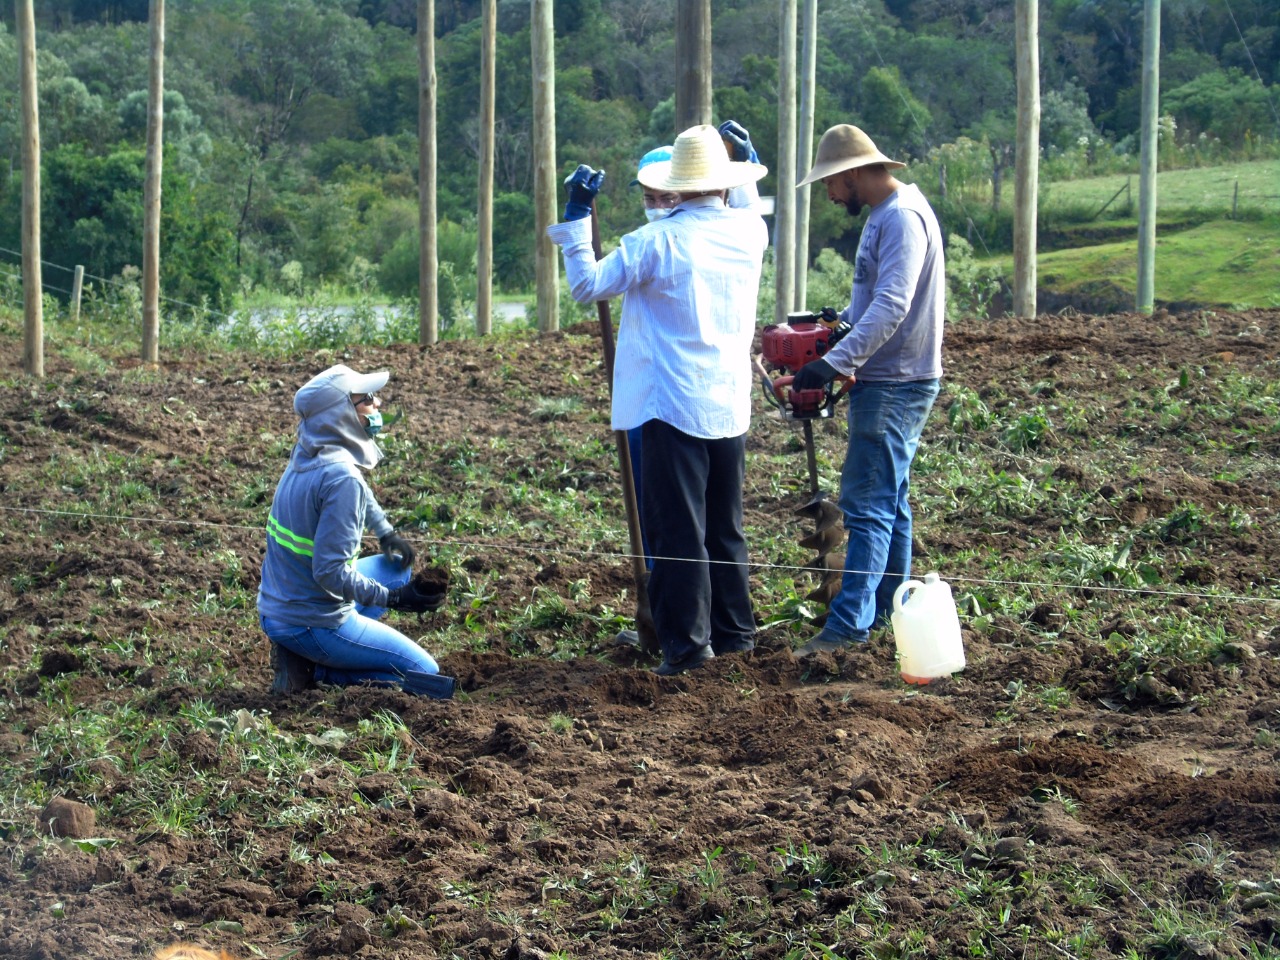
x=410, y=600
x=814, y=375
x=583, y=185
x=396, y=549
x=831, y=320
x=738, y=141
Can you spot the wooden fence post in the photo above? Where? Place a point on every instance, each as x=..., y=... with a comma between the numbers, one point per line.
x=77, y=285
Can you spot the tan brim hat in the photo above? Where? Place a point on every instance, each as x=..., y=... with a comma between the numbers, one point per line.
x=699, y=163
x=845, y=147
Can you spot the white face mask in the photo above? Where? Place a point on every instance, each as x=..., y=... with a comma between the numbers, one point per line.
x=656, y=213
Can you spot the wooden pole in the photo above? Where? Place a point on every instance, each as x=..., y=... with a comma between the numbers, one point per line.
x=1148, y=133
x=1027, y=160
x=804, y=150
x=32, y=281
x=484, y=213
x=693, y=64
x=542, y=39
x=77, y=287
x=645, y=629
x=151, y=191
x=784, y=217
x=428, y=251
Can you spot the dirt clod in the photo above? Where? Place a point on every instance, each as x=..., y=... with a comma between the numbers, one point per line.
x=67, y=818
x=431, y=580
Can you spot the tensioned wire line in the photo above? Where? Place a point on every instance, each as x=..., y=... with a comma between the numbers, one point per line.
x=46, y=286
x=869, y=32
x=1249, y=53
x=118, y=283
x=623, y=555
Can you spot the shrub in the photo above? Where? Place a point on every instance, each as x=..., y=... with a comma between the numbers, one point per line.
x=829, y=282
x=970, y=286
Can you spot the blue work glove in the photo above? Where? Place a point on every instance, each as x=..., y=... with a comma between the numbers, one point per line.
x=814, y=375
x=583, y=185
x=738, y=141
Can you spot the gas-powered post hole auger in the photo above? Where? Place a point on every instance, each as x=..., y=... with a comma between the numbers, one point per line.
x=785, y=348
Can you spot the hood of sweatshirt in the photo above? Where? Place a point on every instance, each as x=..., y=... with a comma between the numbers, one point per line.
x=331, y=430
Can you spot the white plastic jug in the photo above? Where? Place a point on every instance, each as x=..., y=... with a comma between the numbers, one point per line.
x=926, y=630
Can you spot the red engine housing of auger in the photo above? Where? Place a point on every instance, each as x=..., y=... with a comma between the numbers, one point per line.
x=788, y=347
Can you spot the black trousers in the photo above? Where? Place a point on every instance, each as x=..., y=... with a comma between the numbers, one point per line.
x=692, y=512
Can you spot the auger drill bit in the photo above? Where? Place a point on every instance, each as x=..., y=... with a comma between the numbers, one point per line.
x=826, y=539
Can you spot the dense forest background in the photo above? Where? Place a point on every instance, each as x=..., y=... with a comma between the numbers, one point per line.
x=291, y=125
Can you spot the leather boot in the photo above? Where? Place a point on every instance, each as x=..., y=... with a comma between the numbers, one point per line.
x=432, y=685
x=292, y=673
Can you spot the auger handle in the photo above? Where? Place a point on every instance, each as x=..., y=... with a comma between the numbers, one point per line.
x=770, y=390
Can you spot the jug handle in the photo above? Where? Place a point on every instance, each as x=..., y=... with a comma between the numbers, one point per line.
x=902, y=589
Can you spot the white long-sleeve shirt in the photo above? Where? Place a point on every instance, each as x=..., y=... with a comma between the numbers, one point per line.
x=688, y=318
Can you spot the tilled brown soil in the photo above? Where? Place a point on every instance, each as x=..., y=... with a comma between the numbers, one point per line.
x=710, y=815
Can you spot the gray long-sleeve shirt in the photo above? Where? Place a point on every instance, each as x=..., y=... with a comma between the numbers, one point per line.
x=898, y=304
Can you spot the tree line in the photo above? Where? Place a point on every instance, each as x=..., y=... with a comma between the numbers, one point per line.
x=291, y=125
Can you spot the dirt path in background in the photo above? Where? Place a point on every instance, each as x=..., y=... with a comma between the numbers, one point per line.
x=523, y=837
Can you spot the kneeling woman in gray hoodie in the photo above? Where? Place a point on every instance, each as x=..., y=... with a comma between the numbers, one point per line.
x=319, y=601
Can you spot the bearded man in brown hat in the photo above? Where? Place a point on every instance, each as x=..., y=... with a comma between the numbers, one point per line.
x=894, y=349
x=683, y=375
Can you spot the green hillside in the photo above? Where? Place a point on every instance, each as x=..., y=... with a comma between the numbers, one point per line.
x=1089, y=227
x=1223, y=264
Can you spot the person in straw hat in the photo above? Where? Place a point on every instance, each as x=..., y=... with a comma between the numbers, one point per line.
x=657, y=205
x=682, y=373
x=894, y=348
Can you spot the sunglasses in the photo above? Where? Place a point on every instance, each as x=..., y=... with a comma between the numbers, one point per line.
x=365, y=399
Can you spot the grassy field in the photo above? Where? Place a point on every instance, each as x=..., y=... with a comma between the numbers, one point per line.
x=1099, y=782
x=1254, y=186
x=1222, y=263
x=1203, y=256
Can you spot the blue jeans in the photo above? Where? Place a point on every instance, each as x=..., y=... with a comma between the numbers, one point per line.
x=885, y=423
x=361, y=650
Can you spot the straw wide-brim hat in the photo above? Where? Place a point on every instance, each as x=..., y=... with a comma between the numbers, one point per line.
x=699, y=162
x=844, y=147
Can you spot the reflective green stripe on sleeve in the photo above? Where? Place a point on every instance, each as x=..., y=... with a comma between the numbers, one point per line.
x=288, y=539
